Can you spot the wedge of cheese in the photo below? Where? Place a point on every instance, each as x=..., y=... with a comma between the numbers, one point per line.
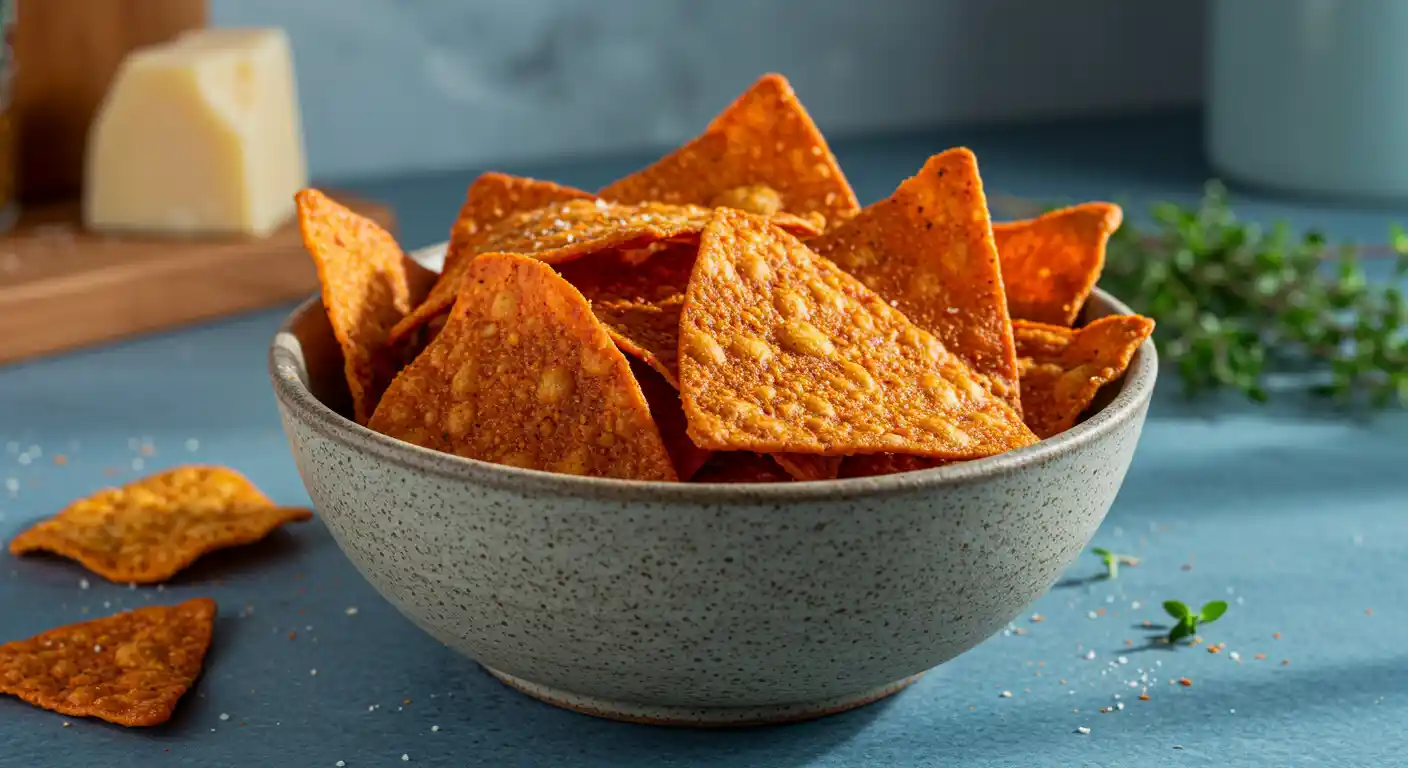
x=198, y=136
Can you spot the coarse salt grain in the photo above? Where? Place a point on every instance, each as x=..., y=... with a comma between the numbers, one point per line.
x=192, y=445
x=1082, y=730
x=1089, y=655
x=434, y=729
x=351, y=610
x=1006, y=694
x=1123, y=659
x=82, y=583
x=97, y=649
x=1091, y=614
x=313, y=672
x=340, y=764
x=405, y=758
x=138, y=465
x=224, y=716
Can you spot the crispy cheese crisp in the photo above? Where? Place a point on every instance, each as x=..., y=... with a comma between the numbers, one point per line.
x=875, y=464
x=782, y=352
x=762, y=154
x=365, y=291
x=928, y=248
x=665, y=408
x=741, y=467
x=639, y=303
x=492, y=198
x=1063, y=369
x=1050, y=263
x=523, y=374
x=147, y=531
x=128, y=669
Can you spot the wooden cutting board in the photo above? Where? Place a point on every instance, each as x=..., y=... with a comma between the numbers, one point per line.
x=61, y=287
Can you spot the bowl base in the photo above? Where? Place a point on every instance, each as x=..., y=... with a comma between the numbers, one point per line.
x=699, y=717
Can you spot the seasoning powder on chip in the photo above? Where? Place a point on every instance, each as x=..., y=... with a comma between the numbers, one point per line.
x=781, y=351
x=523, y=374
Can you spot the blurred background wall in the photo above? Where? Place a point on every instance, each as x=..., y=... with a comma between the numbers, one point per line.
x=404, y=85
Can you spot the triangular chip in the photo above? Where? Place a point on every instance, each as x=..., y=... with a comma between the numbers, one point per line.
x=522, y=374
x=149, y=530
x=639, y=302
x=128, y=669
x=1063, y=369
x=365, y=291
x=781, y=351
x=741, y=467
x=763, y=146
x=640, y=305
x=1050, y=263
x=929, y=249
x=492, y=198
x=665, y=408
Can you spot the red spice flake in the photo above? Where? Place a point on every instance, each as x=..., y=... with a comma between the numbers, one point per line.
x=1062, y=682
x=60, y=459
x=1127, y=641
x=1276, y=635
x=1143, y=697
x=1259, y=656
x=1185, y=682
x=1285, y=662
x=292, y=635
x=111, y=472
x=1106, y=710
x=1019, y=631
x=405, y=701
x=1100, y=612
x=1036, y=618
x=1148, y=623
x=1368, y=611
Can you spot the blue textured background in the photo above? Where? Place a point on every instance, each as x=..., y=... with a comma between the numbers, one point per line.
x=1295, y=514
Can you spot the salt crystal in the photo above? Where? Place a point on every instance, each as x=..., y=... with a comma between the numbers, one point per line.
x=1006, y=694
x=1082, y=730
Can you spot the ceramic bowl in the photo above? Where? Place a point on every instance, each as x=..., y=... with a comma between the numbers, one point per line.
x=692, y=603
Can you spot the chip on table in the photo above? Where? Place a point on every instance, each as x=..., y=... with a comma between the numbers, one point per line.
x=130, y=669
x=149, y=530
x=1064, y=368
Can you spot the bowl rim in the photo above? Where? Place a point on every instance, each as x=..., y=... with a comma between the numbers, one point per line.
x=286, y=360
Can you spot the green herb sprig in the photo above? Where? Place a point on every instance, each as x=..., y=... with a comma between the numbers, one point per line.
x=1188, y=621
x=1113, y=561
x=1236, y=303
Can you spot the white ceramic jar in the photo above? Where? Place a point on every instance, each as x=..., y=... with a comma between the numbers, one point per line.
x=1310, y=96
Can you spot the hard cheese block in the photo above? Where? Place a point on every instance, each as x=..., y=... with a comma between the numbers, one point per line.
x=198, y=136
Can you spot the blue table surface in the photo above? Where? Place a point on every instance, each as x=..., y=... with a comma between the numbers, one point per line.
x=1294, y=513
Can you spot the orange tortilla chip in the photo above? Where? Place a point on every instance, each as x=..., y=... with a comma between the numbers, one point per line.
x=875, y=464
x=741, y=467
x=665, y=408
x=149, y=530
x=929, y=249
x=1063, y=369
x=763, y=145
x=492, y=198
x=781, y=351
x=639, y=302
x=365, y=291
x=128, y=669
x=522, y=374
x=1050, y=263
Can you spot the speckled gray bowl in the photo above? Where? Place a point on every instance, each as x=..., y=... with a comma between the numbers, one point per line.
x=701, y=604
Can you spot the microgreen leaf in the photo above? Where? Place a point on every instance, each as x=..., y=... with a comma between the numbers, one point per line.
x=1176, y=609
x=1100, y=551
x=1180, y=630
x=1212, y=611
